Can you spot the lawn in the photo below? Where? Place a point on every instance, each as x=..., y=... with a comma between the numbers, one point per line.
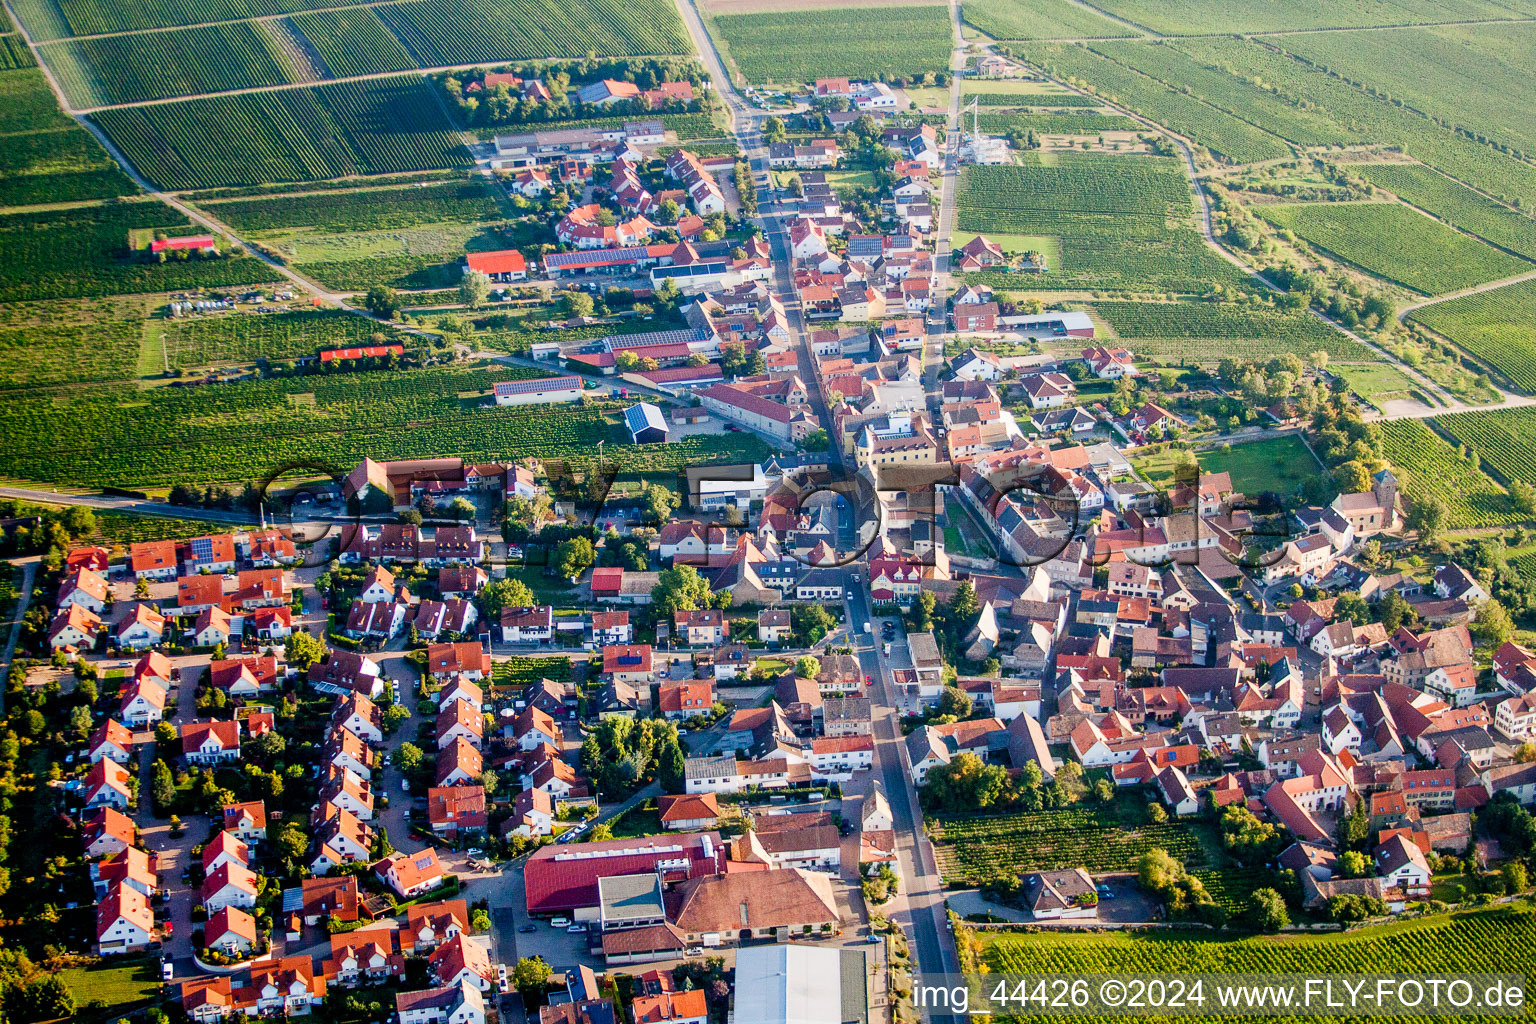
x=641, y=820
x=1279, y=464
x=116, y=985
x=1378, y=383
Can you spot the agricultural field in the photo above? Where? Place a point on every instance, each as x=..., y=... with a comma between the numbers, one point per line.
x=1111, y=215
x=47, y=157
x=1434, y=467
x=85, y=251
x=974, y=848
x=792, y=47
x=1455, y=204
x=1396, y=243
x=1279, y=464
x=1196, y=17
x=1369, y=118
x=378, y=209
x=380, y=126
x=688, y=127
x=1034, y=98
x=239, y=431
x=1415, y=947
x=448, y=32
x=1223, y=134
x=1186, y=330
x=352, y=41
x=1498, y=327
x=1039, y=19
x=1463, y=75
x=247, y=337
x=163, y=65
x=1056, y=123
x=69, y=341
x=1505, y=440
x=1379, y=383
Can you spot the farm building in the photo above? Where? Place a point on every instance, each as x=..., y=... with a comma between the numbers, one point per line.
x=502, y=266
x=646, y=424
x=189, y=243
x=537, y=392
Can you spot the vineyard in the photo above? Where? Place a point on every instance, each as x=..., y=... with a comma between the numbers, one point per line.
x=1416, y=947
x=463, y=202
x=1396, y=243
x=519, y=672
x=974, y=848
x=1111, y=215
x=446, y=32
x=68, y=342
x=792, y=46
x=1498, y=327
x=1504, y=439
x=379, y=126
x=688, y=127
x=1180, y=17
x=1220, y=132
x=47, y=157
x=1369, y=118
x=238, y=431
x=58, y=19
x=1435, y=468
x=246, y=338
x=353, y=41
x=1035, y=99
x=84, y=252
x=1039, y=19
x=1463, y=75
x=1455, y=204
x=161, y=65
x=1056, y=124
x=1248, y=332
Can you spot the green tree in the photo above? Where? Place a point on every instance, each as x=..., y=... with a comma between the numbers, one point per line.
x=660, y=503
x=670, y=770
x=1266, y=911
x=1354, y=828
x=574, y=556
x=967, y=783
x=1354, y=864
x=1516, y=878
x=474, y=289
x=773, y=130
x=1427, y=516
x=162, y=791
x=1351, y=477
x=382, y=302
x=302, y=650
x=408, y=757
x=507, y=593
x=1493, y=626
x=679, y=589
x=956, y=702
x=807, y=667
x=578, y=304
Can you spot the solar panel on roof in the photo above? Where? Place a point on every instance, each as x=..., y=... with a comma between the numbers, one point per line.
x=202, y=549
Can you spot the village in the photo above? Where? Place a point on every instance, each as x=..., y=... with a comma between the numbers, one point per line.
x=479, y=741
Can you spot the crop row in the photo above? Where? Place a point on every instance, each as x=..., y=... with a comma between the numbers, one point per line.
x=974, y=849
x=14, y=53
x=1435, y=468
x=353, y=41
x=59, y=19
x=458, y=202
x=1057, y=124
x=162, y=65
x=1498, y=327
x=1033, y=99
x=1220, y=132
x=1399, y=244
x=67, y=353
x=856, y=42
x=1197, y=17
x=449, y=32
x=1456, y=204
x=1505, y=439
x=1039, y=19
x=48, y=158
x=380, y=126
x=250, y=337
x=1211, y=320
x=1121, y=185
x=522, y=671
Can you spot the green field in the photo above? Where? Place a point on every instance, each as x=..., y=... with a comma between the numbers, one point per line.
x=248, y=337
x=1038, y=19
x=1505, y=440
x=84, y=252
x=1399, y=244
x=448, y=32
x=69, y=341
x=1378, y=383
x=1125, y=222
x=1413, y=947
x=790, y=47
x=1185, y=17
x=1279, y=464
x=1434, y=467
x=379, y=126
x=1186, y=329
x=1056, y=124
x=1498, y=327
x=242, y=430
x=1223, y=134
x=162, y=65
x=47, y=157
x=1456, y=204
x=117, y=985
x=353, y=41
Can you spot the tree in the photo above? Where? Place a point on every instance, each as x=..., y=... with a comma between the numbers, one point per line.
x=578, y=304
x=816, y=441
x=807, y=667
x=162, y=793
x=967, y=783
x=1354, y=828
x=1426, y=516
x=773, y=130
x=1524, y=496
x=1392, y=608
x=507, y=593
x=474, y=289
x=408, y=757
x=660, y=503
x=670, y=769
x=956, y=702
x=679, y=589
x=461, y=508
x=480, y=920
x=1525, y=753
x=531, y=977
x=1352, y=606
x=574, y=556
x=382, y=302
x=303, y=650
x=1493, y=626
x=1351, y=477
x=1354, y=864
x=1266, y=911
x=1516, y=878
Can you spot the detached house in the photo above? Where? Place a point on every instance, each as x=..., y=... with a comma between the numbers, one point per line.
x=208, y=743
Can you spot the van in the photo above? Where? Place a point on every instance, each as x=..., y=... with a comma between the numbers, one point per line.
x=559, y=922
